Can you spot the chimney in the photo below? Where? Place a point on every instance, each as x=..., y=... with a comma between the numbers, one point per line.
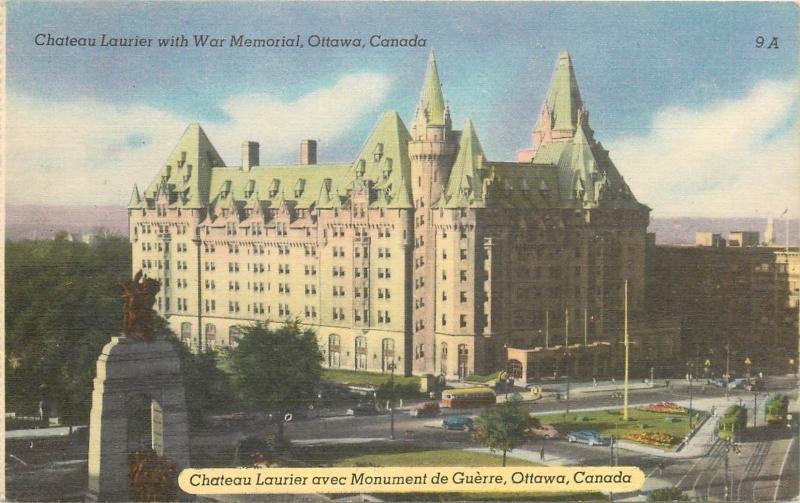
x=249, y=155
x=308, y=152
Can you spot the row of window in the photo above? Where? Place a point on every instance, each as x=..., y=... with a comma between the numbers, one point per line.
x=462, y=254
x=462, y=320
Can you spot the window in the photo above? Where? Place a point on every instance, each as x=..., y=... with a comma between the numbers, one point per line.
x=334, y=351
x=234, y=335
x=463, y=275
x=387, y=354
x=444, y=320
x=462, y=320
x=211, y=334
x=463, y=254
x=186, y=331
x=361, y=353
x=462, y=296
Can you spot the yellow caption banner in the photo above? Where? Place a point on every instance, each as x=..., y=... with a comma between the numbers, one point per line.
x=618, y=479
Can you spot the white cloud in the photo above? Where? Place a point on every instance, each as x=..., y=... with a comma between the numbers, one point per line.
x=90, y=152
x=729, y=158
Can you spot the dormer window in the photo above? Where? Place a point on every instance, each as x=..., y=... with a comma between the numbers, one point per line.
x=361, y=167
x=387, y=170
x=273, y=188
x=251, y=185
x=544, y=188
x=299, y=188
x=378, y=152
x=182, y=160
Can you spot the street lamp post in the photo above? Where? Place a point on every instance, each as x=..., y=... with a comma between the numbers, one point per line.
x=615, y=452
x=727, y=370
x=691, y=378
x=728, y=446
x=567, y=364
x=391, y=366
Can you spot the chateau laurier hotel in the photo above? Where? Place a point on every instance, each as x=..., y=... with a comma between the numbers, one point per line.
x=420, y=251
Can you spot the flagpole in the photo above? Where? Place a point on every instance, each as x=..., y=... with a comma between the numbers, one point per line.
x=625, y=401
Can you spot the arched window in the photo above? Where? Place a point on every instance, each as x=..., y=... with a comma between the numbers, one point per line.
x=334, y=351
x=387, y=354
x=443, y=360
x=463, y=361
x=186, y=331
x=211, y=334
x=361, y=353
x=234, y=335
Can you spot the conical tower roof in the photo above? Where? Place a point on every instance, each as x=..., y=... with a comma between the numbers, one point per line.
x=563, y=98
x=431, y=98
x=136, y=199
x=465, y=184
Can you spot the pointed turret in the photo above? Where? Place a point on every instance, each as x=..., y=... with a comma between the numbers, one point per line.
x=563, y=98
x=431, y=108
x=562, y=110
x=136, y=199
x=188, y=167
x=465, y=184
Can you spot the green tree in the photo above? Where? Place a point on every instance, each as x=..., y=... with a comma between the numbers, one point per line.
x=504, y=428
x=276, y=370
x=668, y=494
x=62, y=305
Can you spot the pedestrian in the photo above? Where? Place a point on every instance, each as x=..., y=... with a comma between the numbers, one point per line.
x=541, y=454
x=594, y=382
x=661, y=468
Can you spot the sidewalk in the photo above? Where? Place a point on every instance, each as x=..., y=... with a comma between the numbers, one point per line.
x=532, y=456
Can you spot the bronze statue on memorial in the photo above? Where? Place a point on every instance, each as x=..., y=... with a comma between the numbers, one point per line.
x=139, y=295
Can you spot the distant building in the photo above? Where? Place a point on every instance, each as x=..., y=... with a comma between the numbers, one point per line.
x=419, y=252
x=709, y=239
x=743, y=238
x=743, y=296
x=769, y=232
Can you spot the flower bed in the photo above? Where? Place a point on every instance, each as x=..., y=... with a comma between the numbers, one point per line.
x=654, y=438
x=665, y=407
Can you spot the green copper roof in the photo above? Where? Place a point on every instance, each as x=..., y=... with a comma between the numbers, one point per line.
x=382, y=162
x=563, y=98
x=431, y=99
x=188, y=169
x=465, y=184
x=136, y=199
x=586, y=175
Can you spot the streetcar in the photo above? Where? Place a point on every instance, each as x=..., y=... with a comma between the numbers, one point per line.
x=776, y=409
x=468, y=397
x=733, y=422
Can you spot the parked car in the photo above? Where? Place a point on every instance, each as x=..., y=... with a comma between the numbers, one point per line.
x=363, y=409
x=590, y=437
x=545, y=431
x=738, y=383
x=458, y=423
x=426, y=409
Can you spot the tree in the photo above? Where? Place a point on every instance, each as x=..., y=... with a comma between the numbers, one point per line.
x=276, y=370
x=504, y=428
x=668, y=494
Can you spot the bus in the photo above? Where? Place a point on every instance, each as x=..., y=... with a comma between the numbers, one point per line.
x=776, y=408
x=732, y=423
x=468, y=397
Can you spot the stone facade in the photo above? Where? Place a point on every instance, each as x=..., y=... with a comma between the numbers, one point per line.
x=128, y=371
x=420, y=252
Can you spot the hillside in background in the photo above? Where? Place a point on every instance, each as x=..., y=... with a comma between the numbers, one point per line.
x=43, y=222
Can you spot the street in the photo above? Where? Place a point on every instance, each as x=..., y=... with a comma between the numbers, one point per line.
x=764, y=469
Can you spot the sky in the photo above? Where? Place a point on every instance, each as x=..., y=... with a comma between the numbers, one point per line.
x=698, y=119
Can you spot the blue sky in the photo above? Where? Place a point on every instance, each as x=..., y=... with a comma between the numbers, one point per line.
x=639, y=67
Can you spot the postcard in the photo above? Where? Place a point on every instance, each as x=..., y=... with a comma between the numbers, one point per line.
x=401, y=251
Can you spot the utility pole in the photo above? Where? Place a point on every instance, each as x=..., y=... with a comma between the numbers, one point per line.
x=727, y=369
x=755, y=407
x=625, y=386
x=566, y=328
x=567, y=358
x=691, y=377
x=547, y=329
x=391, y=401
x=585, y=327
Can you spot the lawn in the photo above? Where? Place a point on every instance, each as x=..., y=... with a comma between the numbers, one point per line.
x=354, y=378
x=609, y=422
